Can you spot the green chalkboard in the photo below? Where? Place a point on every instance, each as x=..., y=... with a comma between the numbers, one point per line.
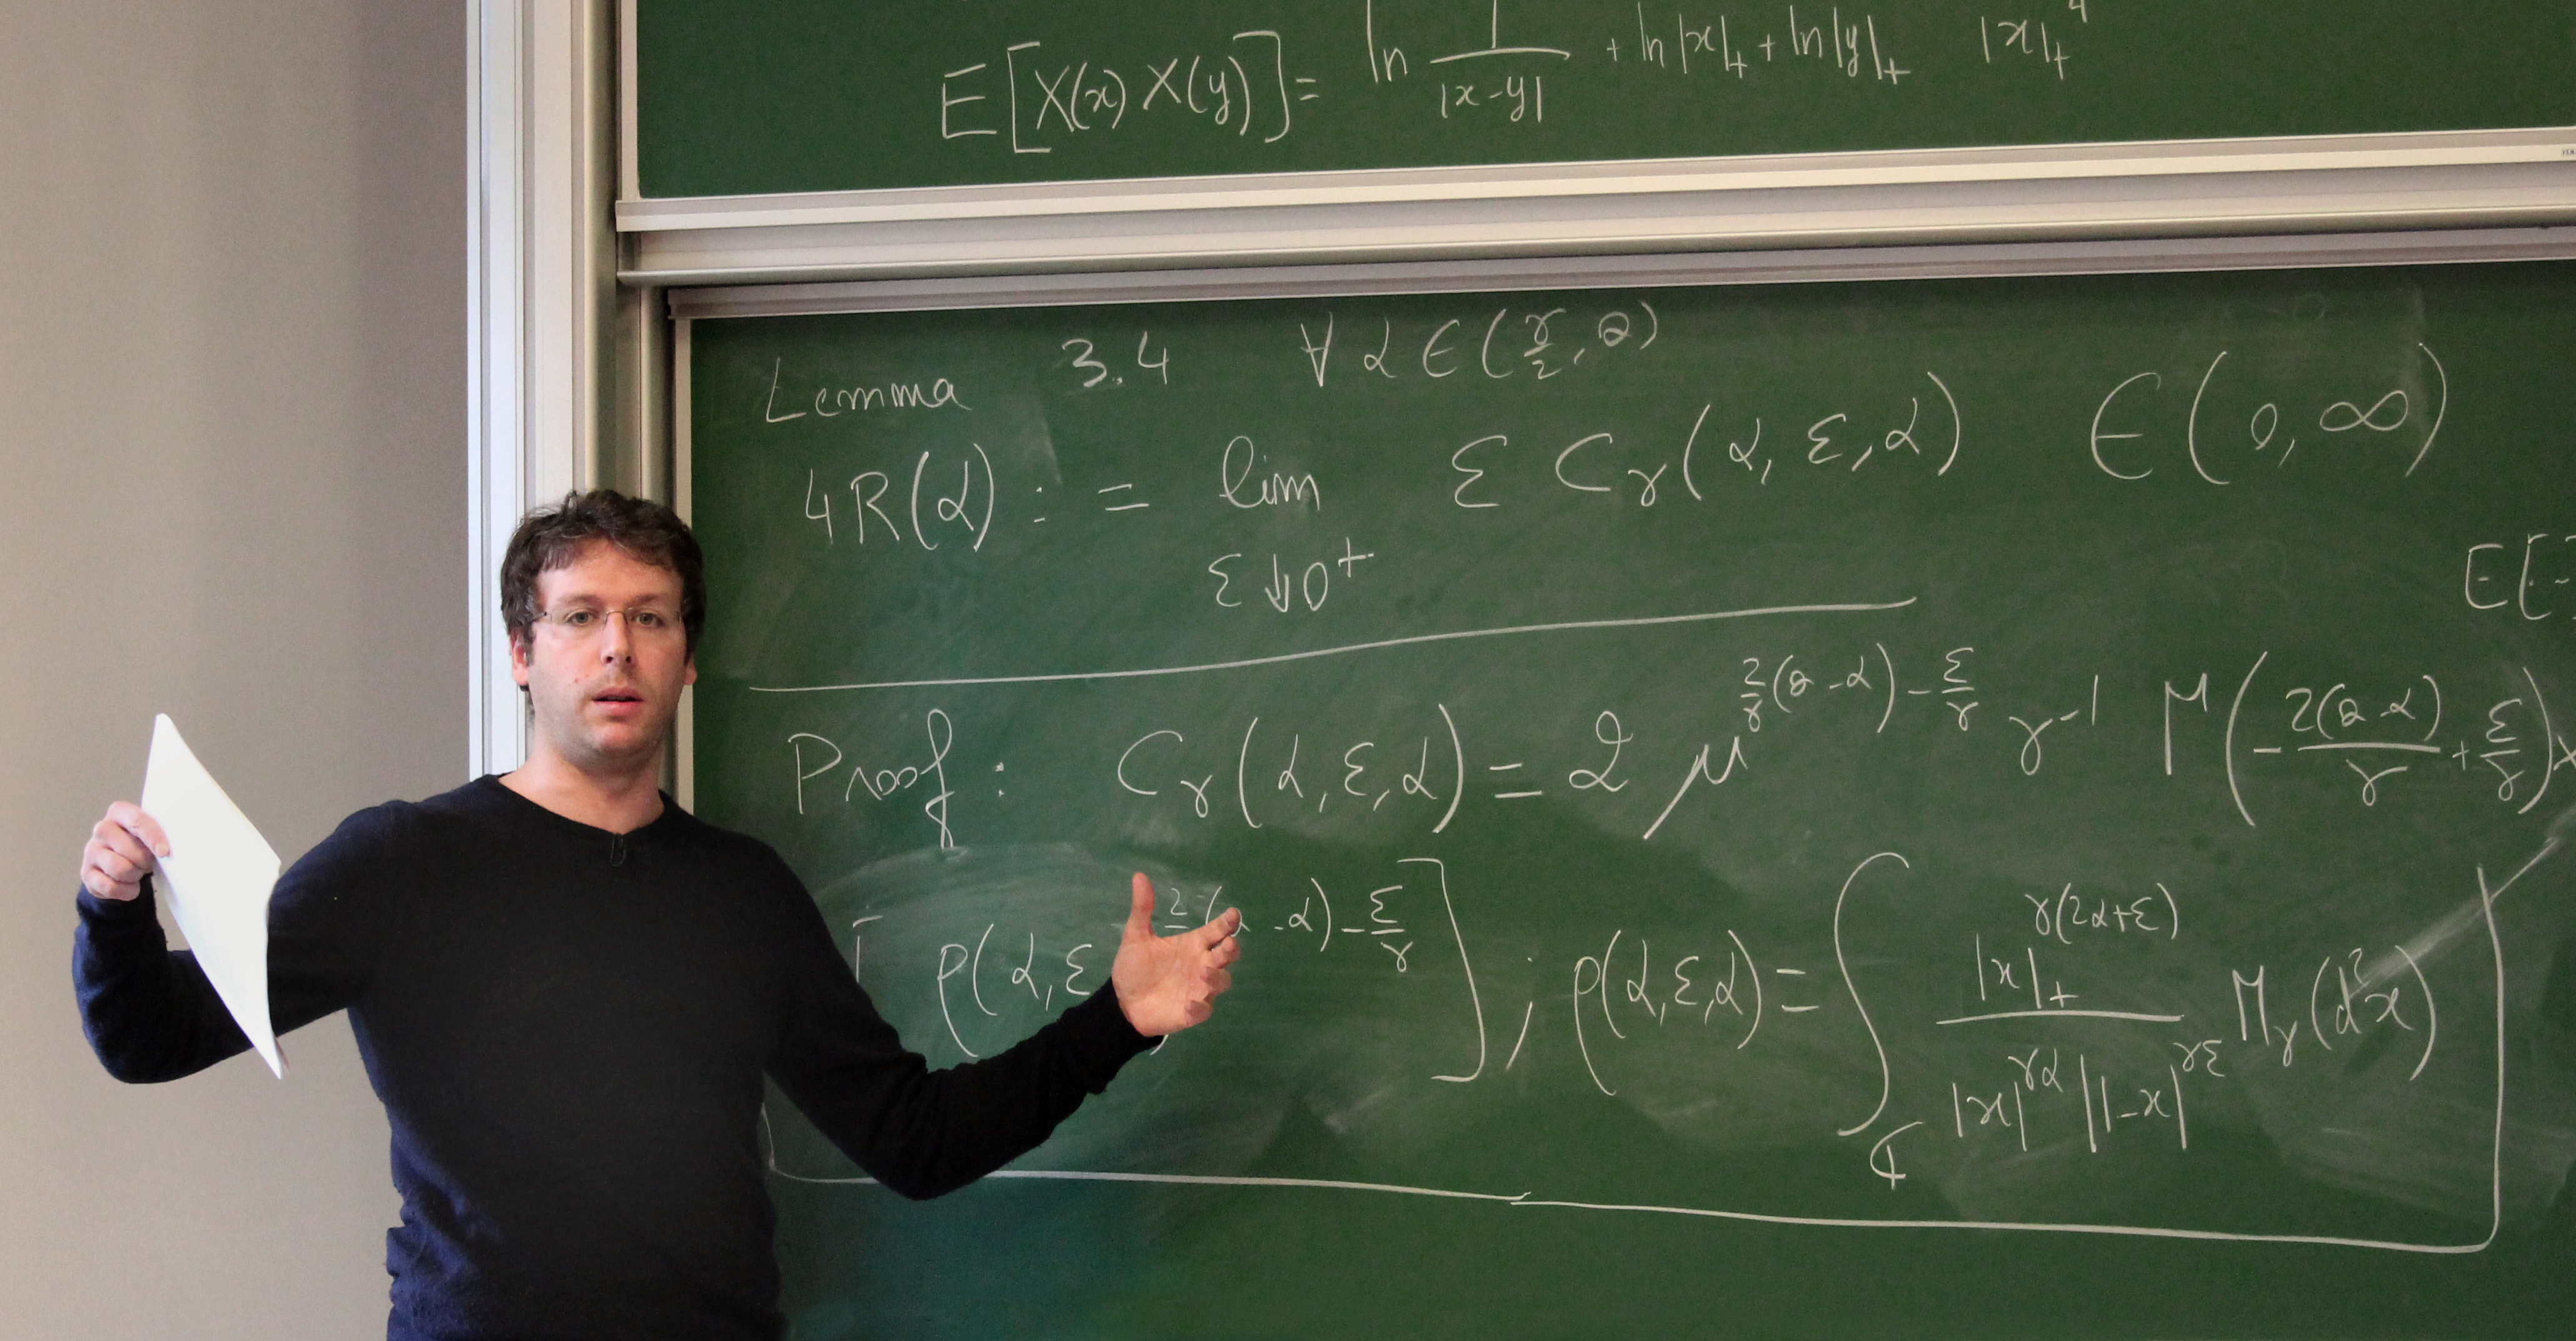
x=832, y=95
x=1932, y=808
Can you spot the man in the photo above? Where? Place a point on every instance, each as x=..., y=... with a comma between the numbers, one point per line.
x=567, y=991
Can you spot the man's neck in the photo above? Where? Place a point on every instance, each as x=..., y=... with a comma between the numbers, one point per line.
x=620, y=801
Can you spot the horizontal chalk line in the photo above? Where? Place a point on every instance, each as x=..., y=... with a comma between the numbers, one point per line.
x=2132, y=1231
x=1202, y=1179
x=1823, y=1222
x=1346, y=649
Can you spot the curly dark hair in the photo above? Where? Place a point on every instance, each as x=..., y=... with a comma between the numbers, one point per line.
x=648, y=532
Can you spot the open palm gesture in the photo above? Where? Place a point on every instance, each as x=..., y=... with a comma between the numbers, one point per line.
x=1167, y=983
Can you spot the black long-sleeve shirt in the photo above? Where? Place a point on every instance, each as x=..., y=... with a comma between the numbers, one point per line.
x=568, y=1029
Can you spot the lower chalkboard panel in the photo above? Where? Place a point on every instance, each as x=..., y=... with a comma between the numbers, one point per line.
x=1980, y=807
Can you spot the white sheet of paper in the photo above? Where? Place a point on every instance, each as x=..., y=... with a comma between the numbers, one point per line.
x=217, y=879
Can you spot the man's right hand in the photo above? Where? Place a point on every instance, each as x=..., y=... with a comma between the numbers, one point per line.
x=121, y=851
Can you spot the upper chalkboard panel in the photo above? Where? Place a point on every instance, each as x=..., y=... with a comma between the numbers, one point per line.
x=833, y=95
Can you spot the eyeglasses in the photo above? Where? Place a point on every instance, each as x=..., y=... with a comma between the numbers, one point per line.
x=585, y=621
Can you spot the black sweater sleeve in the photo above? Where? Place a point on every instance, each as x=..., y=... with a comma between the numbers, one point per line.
x=149, y=1011
x=918, y=1131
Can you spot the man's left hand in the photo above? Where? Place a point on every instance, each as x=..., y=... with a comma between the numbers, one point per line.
x=1166, y=983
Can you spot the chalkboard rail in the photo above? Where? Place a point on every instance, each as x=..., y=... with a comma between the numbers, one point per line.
x=690, y=301
x=1744, y=172
x=2477, y=179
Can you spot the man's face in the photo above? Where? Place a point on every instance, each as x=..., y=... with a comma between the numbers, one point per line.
x=604, y=695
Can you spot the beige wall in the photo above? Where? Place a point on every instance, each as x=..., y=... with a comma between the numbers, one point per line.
x=232, y=488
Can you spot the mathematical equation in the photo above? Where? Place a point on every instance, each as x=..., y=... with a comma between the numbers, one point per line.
x=2402, y=422
x=1461, y=61
x=2089, y=1020
x=1030, y=98
x=2379, y=734
x=1694, y=453
x=2397, y=744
